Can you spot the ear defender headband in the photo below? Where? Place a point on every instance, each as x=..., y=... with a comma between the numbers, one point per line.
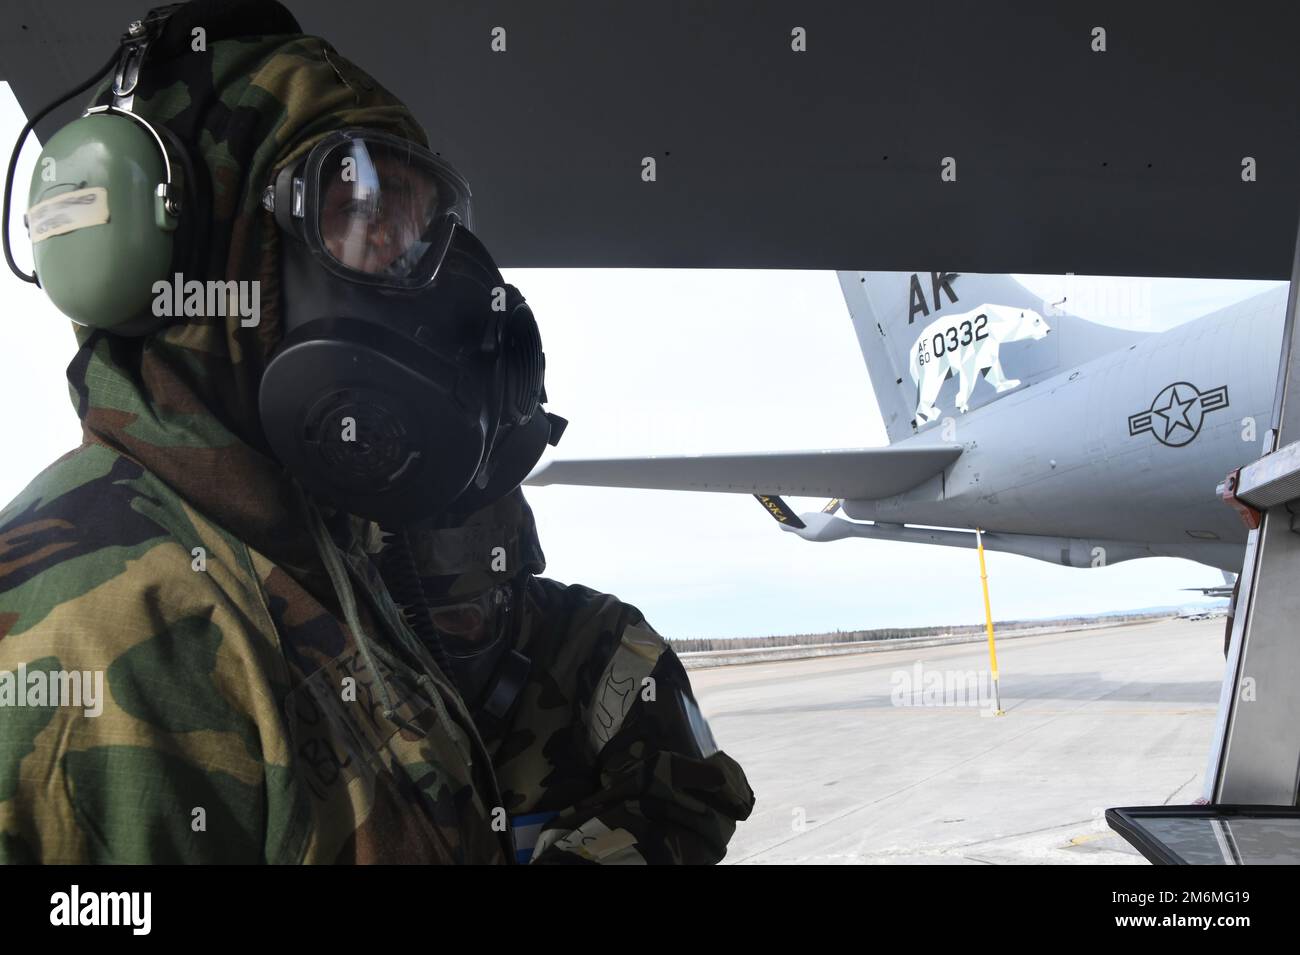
x=114, y=202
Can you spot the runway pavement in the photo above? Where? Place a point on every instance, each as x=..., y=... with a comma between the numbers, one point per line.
x=1094, y=719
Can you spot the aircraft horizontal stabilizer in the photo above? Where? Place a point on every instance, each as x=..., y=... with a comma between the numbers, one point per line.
x=1212, y=591
x=857, y=474
x=1227, y=590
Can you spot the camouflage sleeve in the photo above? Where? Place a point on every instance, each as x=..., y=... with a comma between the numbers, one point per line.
x=131, y=741
x=137, y=722
x=667, y=794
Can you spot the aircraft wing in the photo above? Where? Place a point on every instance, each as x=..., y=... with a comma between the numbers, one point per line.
x=851, y=473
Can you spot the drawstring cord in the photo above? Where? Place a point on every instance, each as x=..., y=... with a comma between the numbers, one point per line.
x=370, y=651
x=434, y=680
x=347, y=599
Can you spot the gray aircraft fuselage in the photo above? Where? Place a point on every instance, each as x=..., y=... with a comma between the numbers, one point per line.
x=1128, y=447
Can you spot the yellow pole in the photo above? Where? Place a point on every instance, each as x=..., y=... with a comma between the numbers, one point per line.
x=988, y=624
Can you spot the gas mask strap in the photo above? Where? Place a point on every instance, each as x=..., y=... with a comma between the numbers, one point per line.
x=512, y=670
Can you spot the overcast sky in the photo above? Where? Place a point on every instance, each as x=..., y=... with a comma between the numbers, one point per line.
x=649, y=361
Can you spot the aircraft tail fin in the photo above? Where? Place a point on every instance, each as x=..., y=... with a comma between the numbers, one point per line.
x=945, y=343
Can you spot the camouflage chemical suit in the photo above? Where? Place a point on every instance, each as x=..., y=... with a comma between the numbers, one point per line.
x=262, y=697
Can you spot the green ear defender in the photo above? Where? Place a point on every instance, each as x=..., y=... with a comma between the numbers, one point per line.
x=102, y=215
x=105, y=204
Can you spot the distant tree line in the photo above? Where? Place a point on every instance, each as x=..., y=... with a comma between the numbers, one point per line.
x=695, y=644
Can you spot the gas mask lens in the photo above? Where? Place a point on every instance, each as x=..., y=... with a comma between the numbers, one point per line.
x=471, y=626
x=378, y=210
x=461, y=621
x=373, y=207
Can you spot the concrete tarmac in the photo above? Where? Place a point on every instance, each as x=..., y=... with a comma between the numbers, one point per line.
x=1093, y=719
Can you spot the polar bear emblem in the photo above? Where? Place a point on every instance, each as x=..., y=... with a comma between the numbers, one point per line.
x=965, y=345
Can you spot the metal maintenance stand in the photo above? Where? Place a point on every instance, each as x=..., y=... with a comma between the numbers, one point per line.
x=1255, y=755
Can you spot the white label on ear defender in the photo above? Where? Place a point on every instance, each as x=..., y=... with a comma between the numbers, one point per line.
x=68, y=212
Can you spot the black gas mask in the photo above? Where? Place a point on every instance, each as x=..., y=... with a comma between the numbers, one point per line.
x=410, y=377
